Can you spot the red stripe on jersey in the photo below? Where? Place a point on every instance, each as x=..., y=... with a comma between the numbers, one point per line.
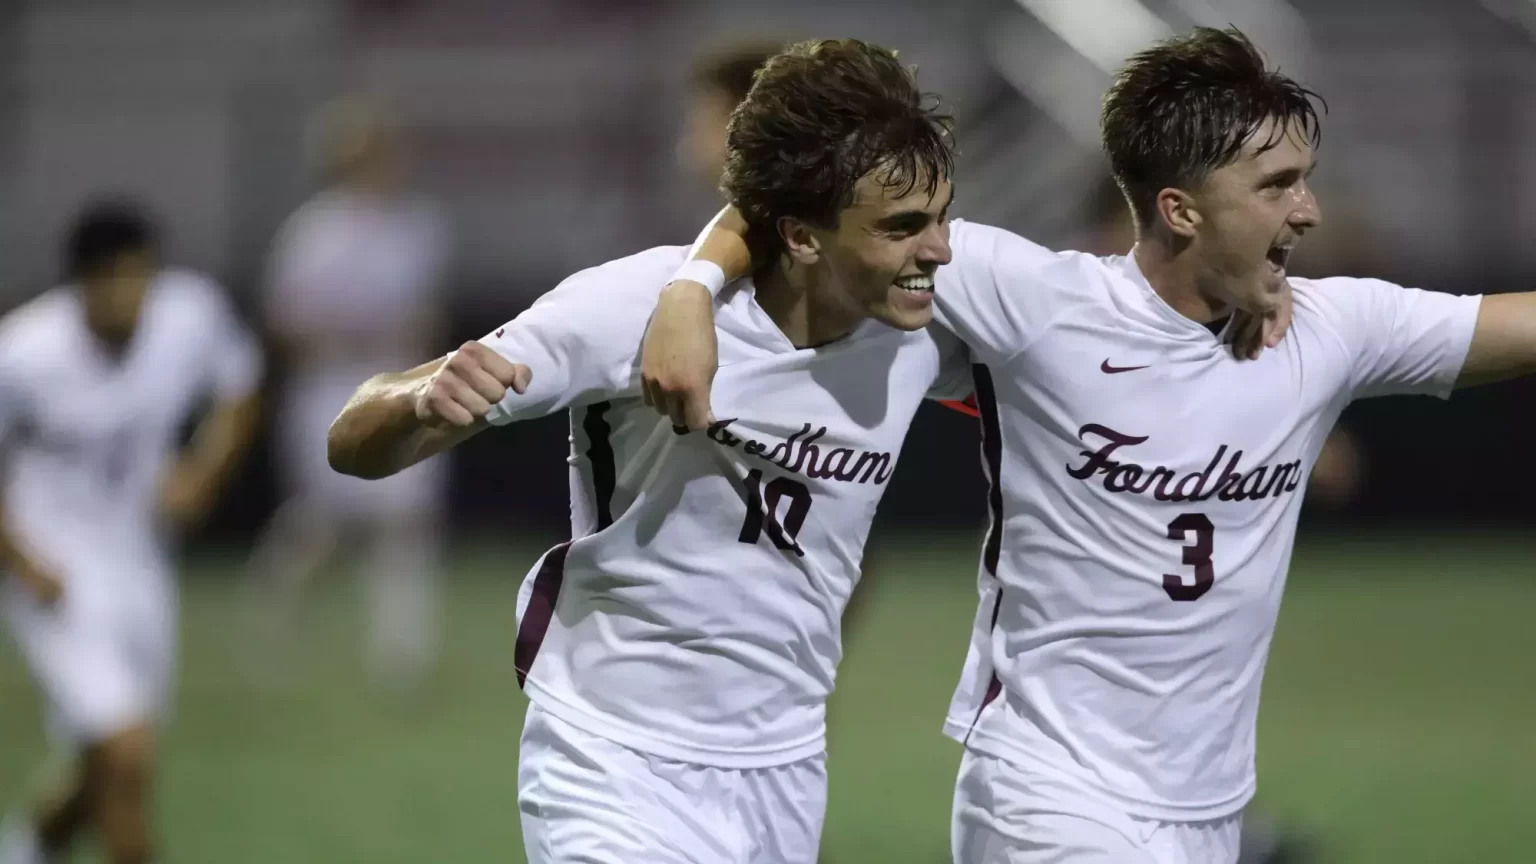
x=966, y=407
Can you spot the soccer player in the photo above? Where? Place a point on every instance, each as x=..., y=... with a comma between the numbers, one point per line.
x=97, y=378
x=1146, y=485
x=719, y=82
x=353, y=277
x=679, y=650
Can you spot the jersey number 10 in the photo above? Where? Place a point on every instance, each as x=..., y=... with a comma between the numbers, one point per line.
x=763, y=511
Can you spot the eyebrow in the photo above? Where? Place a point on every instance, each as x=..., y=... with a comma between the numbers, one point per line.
x=1288, y=172
x=912, y=217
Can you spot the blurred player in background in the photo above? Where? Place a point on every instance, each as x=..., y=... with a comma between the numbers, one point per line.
x=352, y=289
x=719, y=82
x=97, y=379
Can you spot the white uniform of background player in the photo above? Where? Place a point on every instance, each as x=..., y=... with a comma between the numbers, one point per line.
x=352, y=282
x=88, y=438
x=1147, y=486
x=686, y=641
x=98, y=381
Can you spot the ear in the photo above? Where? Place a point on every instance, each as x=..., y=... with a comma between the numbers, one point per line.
x=799, y=240
x=1177, y=211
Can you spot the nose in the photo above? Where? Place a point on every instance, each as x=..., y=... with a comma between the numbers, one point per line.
x=1304, y=211
x=934, y=246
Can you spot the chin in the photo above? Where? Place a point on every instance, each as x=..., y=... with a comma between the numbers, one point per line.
x=905, y=319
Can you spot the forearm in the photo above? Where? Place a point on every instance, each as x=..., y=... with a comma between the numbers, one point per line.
x=378, y=432
x=221, y=439
x=15, y=558
x=724, y=244
x=1504, y=340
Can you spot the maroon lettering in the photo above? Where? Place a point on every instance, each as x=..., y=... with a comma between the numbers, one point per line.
x=835, y=464
x=717, y=432
x=1098, y=460
x=788, y=446
x=808, y=450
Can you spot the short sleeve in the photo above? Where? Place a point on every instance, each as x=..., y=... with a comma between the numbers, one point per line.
x=581, y=341
x=1399, y=340
x=235, y=362
x=999, y=291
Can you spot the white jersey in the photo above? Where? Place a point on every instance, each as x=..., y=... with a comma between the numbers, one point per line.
x=696, y=614
x=352, y=281
x=358, y=273
x=87, y=434
x=1146, y=486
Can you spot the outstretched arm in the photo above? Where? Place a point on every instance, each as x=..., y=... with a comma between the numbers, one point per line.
x=1503, y=340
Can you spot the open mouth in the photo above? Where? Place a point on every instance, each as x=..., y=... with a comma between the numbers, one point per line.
x=916, y=284
x=1277, y=256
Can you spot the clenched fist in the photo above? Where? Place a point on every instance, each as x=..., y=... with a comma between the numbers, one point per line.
x=467, y=383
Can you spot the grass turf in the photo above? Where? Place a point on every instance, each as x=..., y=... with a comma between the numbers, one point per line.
x=1399, y=718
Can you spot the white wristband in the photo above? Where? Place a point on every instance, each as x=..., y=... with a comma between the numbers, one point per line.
x=706, y=273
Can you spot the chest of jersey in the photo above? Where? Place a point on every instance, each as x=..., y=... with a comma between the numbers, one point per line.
x=823, y=412
x=104, y=420
x=1163, y=448
x=1173, y=420
x=804, y=446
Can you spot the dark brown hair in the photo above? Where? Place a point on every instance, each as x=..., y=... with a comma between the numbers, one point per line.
x=730, y=69
x=103, y=232
x=1185, y=107
x=820, y=116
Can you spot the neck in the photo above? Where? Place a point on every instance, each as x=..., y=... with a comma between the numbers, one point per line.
x=112, y=341
x=794, y=297
x=1172, y=269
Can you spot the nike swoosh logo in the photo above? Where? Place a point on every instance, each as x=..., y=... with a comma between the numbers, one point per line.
x=1115, y=370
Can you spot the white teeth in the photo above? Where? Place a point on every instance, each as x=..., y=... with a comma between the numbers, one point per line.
x=916, y=283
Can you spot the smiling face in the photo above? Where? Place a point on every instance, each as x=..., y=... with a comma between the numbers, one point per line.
x=880, y=259
x=1251, y=214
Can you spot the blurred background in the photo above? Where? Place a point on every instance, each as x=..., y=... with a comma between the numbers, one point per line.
x=534, y=138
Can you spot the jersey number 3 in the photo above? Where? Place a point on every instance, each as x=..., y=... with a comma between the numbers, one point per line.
x=763, y=511
x=1196, y=555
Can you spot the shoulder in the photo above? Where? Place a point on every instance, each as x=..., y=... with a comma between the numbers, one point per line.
x=634, y=278
x=1329, y=292
x=39, y=343
x=1029, y=263
x=186, y=302
x=190, y=290
x=34, y=327
x=1341, y=302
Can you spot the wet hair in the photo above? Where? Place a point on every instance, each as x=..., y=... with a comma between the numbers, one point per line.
x=820, y=116
x=1185, y=107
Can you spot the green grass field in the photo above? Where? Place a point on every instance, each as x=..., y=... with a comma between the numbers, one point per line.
x=1399, y=718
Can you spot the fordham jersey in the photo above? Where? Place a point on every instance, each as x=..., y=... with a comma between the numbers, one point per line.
x=88, y=433
x=1146, y=487
x=696, y=613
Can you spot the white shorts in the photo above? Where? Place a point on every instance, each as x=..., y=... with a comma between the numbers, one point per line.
x=587, y=800
x=309, y=406
x=1004, y=816
x=103, y=657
